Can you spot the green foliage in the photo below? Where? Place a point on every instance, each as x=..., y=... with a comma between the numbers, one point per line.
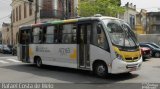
x=104, y=7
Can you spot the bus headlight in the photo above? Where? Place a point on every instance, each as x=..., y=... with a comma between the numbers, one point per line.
x=118, y=56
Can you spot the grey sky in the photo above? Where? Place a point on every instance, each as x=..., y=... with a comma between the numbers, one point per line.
x=150, y=5
x=5, y=11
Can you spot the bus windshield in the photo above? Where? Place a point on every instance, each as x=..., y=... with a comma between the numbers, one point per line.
x=120, y=33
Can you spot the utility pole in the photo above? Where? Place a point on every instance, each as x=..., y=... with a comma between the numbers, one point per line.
x=36, y=8
x=11, y=30
x=63, y=11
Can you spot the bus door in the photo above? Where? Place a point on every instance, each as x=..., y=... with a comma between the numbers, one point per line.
x=83, y=35
x=24, y=45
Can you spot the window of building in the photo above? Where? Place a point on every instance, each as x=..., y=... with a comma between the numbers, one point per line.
x=158, y=28
x=132, y=21
x=30, y=8
x=20, y=12
x=55, y=4
x=68, y=7
x=13, y=15
x=158, y=18
x=37, y=5
x=16, y=13
x=25, y=11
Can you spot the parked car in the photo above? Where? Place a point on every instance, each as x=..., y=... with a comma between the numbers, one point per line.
x=146, y=52
x=14, y=50
x=6, y=49
x=155, y=51
x=153, y=44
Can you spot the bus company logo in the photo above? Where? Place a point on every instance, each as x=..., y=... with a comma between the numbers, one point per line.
x=64, y=51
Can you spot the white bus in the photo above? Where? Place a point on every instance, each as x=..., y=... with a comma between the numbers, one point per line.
x=99, y=44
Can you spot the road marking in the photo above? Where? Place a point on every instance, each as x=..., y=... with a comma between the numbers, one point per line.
x=3, y=62
x=13, y=60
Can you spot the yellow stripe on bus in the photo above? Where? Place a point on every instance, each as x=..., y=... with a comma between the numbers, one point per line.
x=70, y=21
x=74, y=54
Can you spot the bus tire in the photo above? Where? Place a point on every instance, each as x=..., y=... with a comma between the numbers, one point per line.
x=38, y=62
x=100, y=69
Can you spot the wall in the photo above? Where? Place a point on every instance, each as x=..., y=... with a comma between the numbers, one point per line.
x=0, y=36
x=21, y=15
x=149, y=38
x=141, y=22
x=130, y=11
x=23, y=12
x=153, y=22
x=6, y=35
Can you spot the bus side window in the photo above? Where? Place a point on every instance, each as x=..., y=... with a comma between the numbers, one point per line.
x=69, y=34
x=74, y=34
x=22, y=37
x=102, y=41
x=37, y=35
x=25, y=37
x=49, y=35
x=99, y=31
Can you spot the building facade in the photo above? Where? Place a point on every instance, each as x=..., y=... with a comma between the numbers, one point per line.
x=25, y=12
x=153, y=23
x=129, y=15
x=141, y=22
x=6, y=34
x=0, y=35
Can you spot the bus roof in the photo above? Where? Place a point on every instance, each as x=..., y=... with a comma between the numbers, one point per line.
x=69, y=21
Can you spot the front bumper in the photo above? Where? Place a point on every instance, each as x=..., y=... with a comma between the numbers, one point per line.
x=119, y=66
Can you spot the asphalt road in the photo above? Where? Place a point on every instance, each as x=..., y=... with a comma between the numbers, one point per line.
x=14, y=71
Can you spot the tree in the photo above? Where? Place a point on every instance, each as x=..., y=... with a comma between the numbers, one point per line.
x=104, y=7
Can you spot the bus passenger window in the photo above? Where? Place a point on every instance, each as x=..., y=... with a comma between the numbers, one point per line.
x=74, y=35
x=101, y=38
x=49, y=36
x=25, y=37
x=37, y=35
x=69, y=34
x=22, y=41
x=99, y=30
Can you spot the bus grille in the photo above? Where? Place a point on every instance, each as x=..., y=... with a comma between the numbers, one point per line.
x=132, y=59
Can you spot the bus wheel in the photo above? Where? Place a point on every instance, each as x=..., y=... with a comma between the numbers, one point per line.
x=38, y=62
x=101, y=70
